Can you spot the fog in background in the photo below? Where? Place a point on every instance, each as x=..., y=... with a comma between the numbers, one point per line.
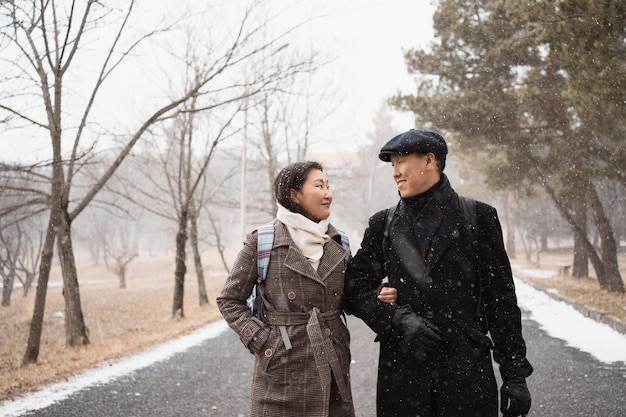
x=157, y=130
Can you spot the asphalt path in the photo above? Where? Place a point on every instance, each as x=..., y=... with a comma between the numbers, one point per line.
x=213, y=379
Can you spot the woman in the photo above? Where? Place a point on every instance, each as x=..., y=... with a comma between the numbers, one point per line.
x=305, y=371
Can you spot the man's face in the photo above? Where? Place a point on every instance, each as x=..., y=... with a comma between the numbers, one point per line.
x=414, y=173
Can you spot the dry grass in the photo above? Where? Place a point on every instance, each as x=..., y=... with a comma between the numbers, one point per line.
x=120, y=321
x=126, y=321
x=583, y=290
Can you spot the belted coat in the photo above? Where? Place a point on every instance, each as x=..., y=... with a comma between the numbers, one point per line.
x=464, y=286
x=311, y=378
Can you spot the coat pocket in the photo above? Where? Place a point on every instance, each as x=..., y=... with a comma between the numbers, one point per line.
x=477, y=335
x=270, y=349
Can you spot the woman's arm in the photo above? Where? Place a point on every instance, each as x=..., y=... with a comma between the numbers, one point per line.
x=237, y=288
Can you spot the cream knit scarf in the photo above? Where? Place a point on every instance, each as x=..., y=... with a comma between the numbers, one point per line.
x=308, y=235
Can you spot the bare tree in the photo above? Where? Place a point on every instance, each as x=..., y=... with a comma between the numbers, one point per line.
x=8, y=264
x=218, y=241
x=28, y=259
x=20, y=242
x=46, y=39
x=120, y=246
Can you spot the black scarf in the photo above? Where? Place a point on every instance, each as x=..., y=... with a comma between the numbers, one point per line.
x=425, y=212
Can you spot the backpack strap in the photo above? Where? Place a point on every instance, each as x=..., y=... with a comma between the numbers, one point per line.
x=264, y=249
x=265, y=241
x=389, y=218
x=468, y=208
x=345, y=242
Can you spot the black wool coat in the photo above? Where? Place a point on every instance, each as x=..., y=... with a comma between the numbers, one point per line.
x=458, y=379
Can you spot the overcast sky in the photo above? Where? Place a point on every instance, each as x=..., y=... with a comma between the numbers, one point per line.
x=367, y=38
x=373, y=35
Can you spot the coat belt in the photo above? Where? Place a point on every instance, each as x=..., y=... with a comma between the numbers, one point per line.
x=277, y=318
x=326, y=359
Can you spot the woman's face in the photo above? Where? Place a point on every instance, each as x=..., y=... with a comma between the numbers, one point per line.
x=315, y=197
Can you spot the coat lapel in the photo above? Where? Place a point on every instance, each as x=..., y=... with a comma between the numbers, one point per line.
x=406, y=248
x=449, y=231
x=297, y=262
x=334, y=254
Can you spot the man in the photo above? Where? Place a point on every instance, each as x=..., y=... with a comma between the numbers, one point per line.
x=456, y=298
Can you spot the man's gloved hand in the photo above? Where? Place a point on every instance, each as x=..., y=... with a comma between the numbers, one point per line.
x=514, y=398
x=419, y=335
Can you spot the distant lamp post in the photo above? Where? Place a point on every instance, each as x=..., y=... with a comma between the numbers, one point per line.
x=244, y=170
x=244, y=157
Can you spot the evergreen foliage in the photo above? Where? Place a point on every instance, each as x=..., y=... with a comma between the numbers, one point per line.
x=536, y=91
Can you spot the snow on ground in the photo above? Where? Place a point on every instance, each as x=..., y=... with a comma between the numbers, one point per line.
x=108, y=372
x=562, y=321
x=557, y=318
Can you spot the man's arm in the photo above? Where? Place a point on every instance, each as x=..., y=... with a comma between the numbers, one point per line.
x=503, y=313
x=364, y=276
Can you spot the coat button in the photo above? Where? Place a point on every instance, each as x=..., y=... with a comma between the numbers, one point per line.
x=247, y=332
x=268, y=353
x=295, y=375
x=327, y=331
x=291, y=295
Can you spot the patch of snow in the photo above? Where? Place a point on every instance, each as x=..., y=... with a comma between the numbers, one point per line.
x=562, y=321
x=108, y=372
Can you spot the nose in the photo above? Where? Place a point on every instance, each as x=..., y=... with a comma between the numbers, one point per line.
x=395, y=171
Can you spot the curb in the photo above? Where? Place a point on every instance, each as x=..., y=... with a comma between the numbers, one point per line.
x=594, y=314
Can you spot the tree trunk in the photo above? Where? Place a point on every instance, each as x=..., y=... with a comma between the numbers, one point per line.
x=7, y=288
x=36, y=324
x=203, y=298
x=611, y=276
x=28, y=282
x=544, y=242
x=580, y=265
x=510, y=223
x=122, y=275
x=589, y=249
x=218, y=243
x=181, y=268
x=75, y=330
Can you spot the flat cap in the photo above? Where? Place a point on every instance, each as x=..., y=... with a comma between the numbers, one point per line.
x=415, y=141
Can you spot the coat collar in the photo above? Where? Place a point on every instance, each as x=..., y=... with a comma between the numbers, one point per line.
x=334, y=253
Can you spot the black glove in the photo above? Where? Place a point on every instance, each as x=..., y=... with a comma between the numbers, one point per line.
x=419, y=335
x=514, y=398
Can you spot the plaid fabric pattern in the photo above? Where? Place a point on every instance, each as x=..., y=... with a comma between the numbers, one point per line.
x=291, y=383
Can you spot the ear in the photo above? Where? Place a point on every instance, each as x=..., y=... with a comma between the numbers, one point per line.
x=294, y=196
x=430, y=159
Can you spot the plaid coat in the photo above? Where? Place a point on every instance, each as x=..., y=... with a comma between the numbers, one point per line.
x=312, y=378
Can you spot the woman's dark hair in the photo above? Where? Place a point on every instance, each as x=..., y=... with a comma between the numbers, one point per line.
x=292, y=177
